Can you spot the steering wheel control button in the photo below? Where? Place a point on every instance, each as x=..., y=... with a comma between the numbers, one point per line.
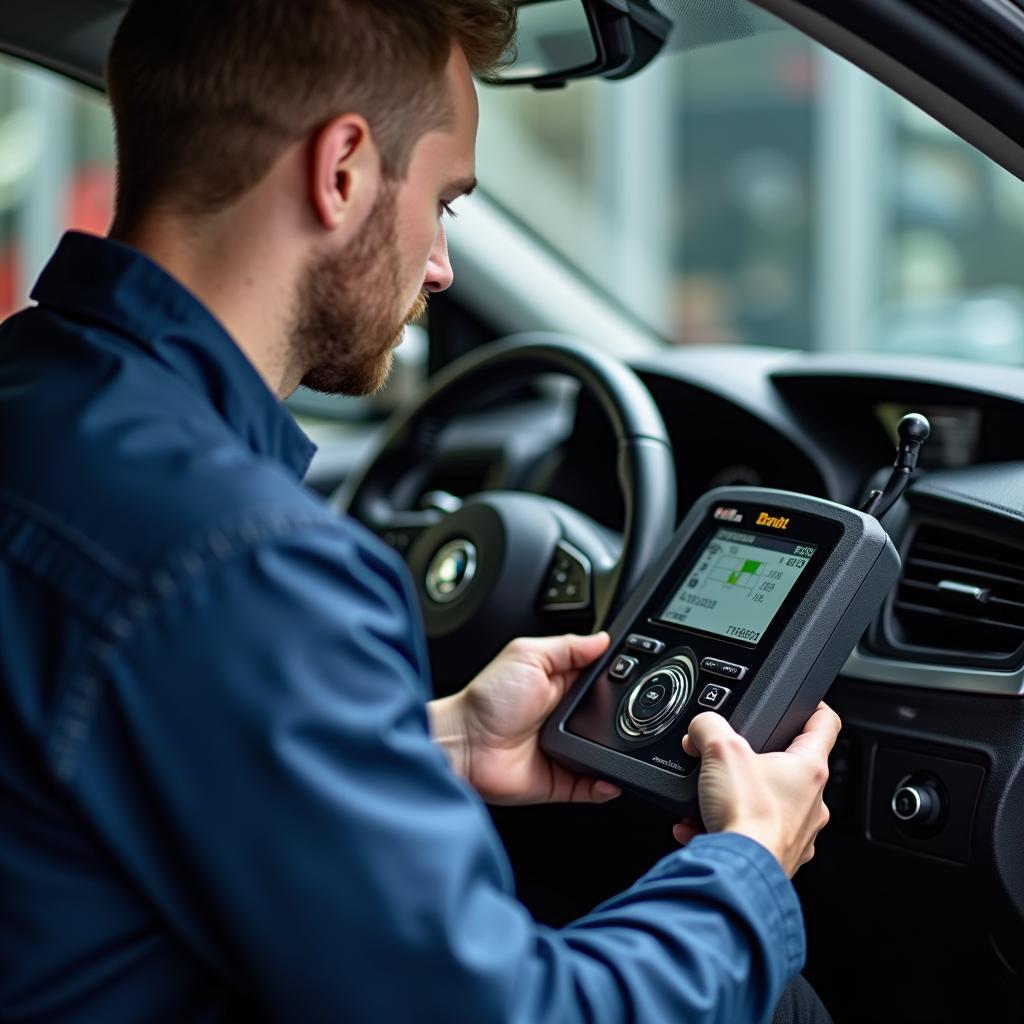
x=567, y=585
x=451, y=571
x=644, y=644
x=402, y=538
x=622, y=668
x=723, y=668
x=656, y=700
x=713, y=697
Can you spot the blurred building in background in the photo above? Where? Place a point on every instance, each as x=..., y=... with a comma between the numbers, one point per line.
x=764, y=191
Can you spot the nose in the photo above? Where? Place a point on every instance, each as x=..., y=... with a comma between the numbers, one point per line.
x=439, y=267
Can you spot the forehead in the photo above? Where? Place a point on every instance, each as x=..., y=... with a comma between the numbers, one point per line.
x=451, y=150
x=463, y=92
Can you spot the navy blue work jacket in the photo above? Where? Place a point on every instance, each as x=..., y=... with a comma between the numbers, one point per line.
x=219, y=799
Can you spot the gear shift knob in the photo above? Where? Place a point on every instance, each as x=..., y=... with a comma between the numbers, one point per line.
x=912, y=431
x=914, y=428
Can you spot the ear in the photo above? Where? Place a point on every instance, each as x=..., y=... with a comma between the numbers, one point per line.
x=346, y=172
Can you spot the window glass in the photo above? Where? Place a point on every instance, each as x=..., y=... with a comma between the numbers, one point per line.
x=56, y=171
x=764, y=191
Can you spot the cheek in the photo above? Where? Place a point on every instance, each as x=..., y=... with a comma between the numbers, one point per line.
x=426, y=240
x=414, y=259
x=419, y=227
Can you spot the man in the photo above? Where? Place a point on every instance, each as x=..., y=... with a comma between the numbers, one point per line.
x=220, y=798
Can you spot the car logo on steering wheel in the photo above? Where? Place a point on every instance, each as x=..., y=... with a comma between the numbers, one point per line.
x=451, y=571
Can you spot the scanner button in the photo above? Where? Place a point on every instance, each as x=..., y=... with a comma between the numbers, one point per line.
x=622, y=668
x=723, y=668
x=713, y=696
x=646, y=644
x=651, y=701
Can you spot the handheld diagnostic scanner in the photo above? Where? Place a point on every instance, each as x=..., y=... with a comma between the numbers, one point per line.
x=752, y=611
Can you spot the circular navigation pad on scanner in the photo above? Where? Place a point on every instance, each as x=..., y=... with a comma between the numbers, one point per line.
x=654, y=702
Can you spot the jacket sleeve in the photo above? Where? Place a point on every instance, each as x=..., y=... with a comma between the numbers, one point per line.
x=261, y=767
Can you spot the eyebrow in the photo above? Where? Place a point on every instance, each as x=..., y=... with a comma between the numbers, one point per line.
x=462, y=187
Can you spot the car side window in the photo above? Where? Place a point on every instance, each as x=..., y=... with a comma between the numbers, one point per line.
x=765, y=191
x=56, y=171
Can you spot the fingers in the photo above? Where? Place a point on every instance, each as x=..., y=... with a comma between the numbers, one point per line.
x=815, y=742
x=686, y=830
x=567, y=787
x=601, y=792
x=592, y=791
x=564, y=653
x=819, y=735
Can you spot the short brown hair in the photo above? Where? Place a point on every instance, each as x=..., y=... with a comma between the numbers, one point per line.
x=207, y=94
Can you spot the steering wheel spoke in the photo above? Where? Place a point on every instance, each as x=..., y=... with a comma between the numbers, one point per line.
x=506, y=564
x=401, y=530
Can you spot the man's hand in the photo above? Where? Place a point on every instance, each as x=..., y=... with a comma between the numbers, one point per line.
x=490, y=730
x=773, y=798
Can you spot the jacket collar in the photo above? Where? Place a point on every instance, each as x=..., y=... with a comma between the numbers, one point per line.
x=117, y=286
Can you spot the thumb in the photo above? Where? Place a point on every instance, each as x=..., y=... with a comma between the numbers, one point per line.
x=705, y=729
x=585, y=650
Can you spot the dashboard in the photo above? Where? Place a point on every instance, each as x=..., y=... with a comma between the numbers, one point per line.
x=933, y=693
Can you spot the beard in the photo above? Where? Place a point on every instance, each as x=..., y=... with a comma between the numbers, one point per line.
x=345, y=327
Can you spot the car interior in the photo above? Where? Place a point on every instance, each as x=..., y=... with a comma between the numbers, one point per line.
x=733, y=246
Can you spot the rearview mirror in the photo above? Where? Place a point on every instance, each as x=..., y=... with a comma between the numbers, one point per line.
x=559, y=40
x=555, y=38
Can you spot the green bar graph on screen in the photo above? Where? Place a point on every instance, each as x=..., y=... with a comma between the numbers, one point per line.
x=749, y=568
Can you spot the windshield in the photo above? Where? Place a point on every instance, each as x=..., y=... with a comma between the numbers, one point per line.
x=764, y=191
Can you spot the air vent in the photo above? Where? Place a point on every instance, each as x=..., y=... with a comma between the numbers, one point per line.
x=960, y=600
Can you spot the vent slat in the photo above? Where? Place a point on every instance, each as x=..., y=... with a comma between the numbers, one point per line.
x=986, y=628
x=942, y=613
x=959, y=569
x=938, y=598
x=957, y=557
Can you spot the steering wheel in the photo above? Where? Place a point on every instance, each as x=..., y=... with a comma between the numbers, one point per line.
x=504, y=564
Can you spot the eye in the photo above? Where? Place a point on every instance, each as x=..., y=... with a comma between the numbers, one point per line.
x=447, y=211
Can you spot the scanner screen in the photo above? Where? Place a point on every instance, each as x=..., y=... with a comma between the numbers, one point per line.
x=738, y=584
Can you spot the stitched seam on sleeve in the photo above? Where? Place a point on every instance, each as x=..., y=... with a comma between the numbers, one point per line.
x=99, y=556
x=186, y=564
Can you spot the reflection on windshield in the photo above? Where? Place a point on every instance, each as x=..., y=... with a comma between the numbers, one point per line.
x=764, y=191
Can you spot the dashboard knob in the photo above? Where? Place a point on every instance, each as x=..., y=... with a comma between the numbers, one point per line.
x=917, y=803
